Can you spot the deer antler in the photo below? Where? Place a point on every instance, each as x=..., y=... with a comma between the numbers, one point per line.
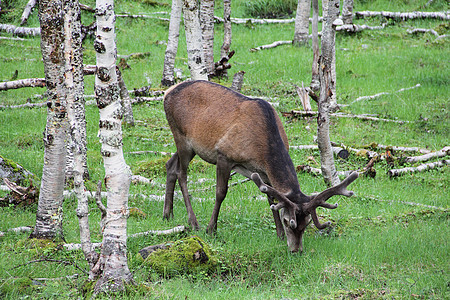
x=320, y=199
x=283, y=201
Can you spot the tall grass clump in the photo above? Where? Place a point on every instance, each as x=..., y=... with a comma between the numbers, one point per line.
x=271, y=8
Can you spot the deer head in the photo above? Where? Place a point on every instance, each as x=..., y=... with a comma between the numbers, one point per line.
x=244, y=134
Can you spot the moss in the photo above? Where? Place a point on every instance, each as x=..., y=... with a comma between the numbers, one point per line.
x=187, y=256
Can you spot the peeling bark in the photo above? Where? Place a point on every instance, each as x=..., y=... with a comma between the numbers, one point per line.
x=21, y=83
x=168, y=78
x=404, y=15
x=421, y=168
x=347, y=12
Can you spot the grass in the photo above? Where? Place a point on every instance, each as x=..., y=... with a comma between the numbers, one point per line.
x=379, y=246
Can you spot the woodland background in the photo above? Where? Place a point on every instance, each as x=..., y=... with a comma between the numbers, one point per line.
x=390, y=240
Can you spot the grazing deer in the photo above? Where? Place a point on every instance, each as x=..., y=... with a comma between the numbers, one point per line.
x=239, y=133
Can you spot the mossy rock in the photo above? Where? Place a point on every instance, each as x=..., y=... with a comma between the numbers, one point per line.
x=15, y=172
x=187, y=256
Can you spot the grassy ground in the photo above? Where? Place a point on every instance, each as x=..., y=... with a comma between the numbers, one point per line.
x=379, y=245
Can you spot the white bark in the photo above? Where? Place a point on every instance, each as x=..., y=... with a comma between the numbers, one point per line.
x=49, y=212
x=421, y=168
x=112, y=264
x=21, y=83
x=269, y=46
x=168, y=78
x=194, y=40
x=77, y=118
x=20, y=31
x=207, y=25
x=325, y=104
x=347, y=12
x=404, y=15
x=315, y=84
x=27, y=11
x=128, y=117
x=426, y=157
x=301, y=32
x=371, y=97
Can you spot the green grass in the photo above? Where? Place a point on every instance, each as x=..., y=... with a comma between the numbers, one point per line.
x=379, y=246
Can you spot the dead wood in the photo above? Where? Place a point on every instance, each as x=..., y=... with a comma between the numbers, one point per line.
x=146, y=91
x=141, y=16
x=420, y=168
x=17, y=230
x=145, y=252
x=11, y=38
x=27, y=11
x=221, y=67
x=20, y=31
x=238, y=80
x=87, y=8
x=138, y=55
x=318, y=172
x=404, y=15
x=299, y=113
x=177, y=229
x=352, y=28
x=140, y=179
x=269, y=46
x=303, y=94
x=338, y=151
x=426, y=157
x=379, y=95
x=138, y=100
x=21, y=83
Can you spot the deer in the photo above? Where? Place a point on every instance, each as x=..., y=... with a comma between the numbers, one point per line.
x=245, y=135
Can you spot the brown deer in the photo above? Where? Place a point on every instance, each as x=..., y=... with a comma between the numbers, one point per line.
x=239, y=133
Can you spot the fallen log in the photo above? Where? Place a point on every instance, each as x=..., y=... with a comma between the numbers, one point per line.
x=338, y=151
x=18, y=230
x=21, y=83
x=421, y=168
x=403, y=15
x=294, y=113
x=318, y=172
x=27, y=11
x=352, y=28
x=426, y=157
x=378, y=95
x=20, y=31
x=269, y=46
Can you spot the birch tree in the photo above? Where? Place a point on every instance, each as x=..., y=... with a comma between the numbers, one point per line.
x=347, y=12
x=73, y=80
x=331, y=6
x=315, y=82
x=194, y=40
x=168, y=78
x=301, y=32
x=225, y=49
x=111, y=267
x=49, y=212
x=207, y=25
x=326, y=93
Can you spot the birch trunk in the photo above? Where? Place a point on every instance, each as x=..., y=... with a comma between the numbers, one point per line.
x=326, y=92
x=207, y=25
x=74, y=82
x=301, y=32
x=194, y=40
x=225, y=49
x=111, y=267
x=77, y=118
x=168, y=78
x=315, y=83
x=347, y=12
x=49, y=212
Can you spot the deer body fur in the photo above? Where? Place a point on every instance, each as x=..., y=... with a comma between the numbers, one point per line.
x=239, y=133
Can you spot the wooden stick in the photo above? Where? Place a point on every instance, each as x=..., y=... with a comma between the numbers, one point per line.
x=21, y=83
x=421, y=168
x=27, y=11
x=379, y=95
x=20, y=31
x=273, y=45
x=177, y=229
x=340, y=115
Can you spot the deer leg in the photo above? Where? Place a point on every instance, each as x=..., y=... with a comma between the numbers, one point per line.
x=173, y=169
x=223, y=169
x=276, y=218
x=184, y=160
